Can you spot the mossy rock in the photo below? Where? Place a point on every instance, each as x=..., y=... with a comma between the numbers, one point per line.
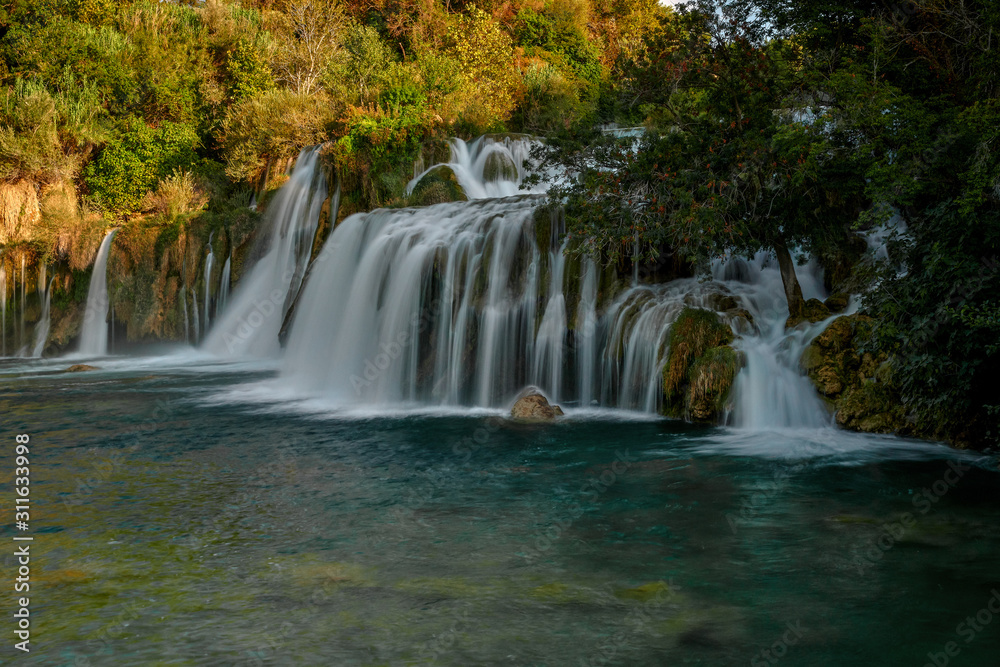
x=837, y=303
x=711, y=378
x=437, y=186
x=813, y=311
x=693, y=333
x=499, y=167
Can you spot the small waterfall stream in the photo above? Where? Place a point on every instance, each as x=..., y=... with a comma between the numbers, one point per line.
x=3, y=306
x=94, y=334
x=220, y=304
x=42, y=328
x=209, y=263
x=257, y=307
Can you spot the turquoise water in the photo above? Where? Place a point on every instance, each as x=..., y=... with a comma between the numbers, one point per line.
x=185, y=514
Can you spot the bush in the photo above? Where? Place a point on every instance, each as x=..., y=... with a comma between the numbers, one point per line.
x=127, y=169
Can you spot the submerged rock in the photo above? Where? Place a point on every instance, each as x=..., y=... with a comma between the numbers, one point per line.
x=437, y=186
x=77, y=368
x=534, y=406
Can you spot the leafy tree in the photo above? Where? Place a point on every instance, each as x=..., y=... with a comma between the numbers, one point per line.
x=127, y=169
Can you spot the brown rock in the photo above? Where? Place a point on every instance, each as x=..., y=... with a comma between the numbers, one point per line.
x=535, y=407
x=77, y=368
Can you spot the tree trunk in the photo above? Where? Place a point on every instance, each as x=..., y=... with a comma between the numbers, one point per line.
x=793, y=293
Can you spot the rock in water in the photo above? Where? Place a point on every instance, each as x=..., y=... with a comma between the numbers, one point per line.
x=77, y=368
x=437, y=186
x=534, y=406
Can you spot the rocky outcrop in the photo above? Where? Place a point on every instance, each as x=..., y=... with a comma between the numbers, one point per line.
x=701, y=366
x=533, y=406
x=499, y=167
x=437, y=186
x=857, y=385
x=79, y=368
x=813, y=311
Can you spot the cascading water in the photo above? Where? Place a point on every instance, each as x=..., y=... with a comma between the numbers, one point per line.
x=94, y=334
x=209, y=262
x=458, y=304
x=194, y=312
x=771, y=391
x=23, y=350
x=548, y=361
x=42, y=328
x=220, y=304
x=585, y=333
x=3, y=305
x=487, y=167
x=258, y=305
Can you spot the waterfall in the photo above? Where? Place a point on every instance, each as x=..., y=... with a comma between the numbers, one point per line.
x=487, y=167
x=548, y=361
x=460, y=304
x=209, y=261
x=23, y=340
x=771, y=391
x=3, y=304
x=585, y=333
x=94, y=334
x=42, y=328
x=194, y=312
x=187, y=323
x=220, y=304
x=261, y=300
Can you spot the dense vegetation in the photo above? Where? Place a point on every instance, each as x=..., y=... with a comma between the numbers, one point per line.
x=799, y=125
x=778, y=125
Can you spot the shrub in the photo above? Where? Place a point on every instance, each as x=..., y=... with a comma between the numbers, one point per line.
x=127, y=169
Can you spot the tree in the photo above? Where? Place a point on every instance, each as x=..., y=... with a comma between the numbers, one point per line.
x=309, y=38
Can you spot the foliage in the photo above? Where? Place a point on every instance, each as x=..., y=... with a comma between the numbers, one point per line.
x=120, y=177
x=485, y=52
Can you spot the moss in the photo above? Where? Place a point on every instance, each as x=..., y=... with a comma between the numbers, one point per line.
x=437, y=186
x=645, y=593
x=813, y=310
x=693, y=333
x=499, y=167
x=711, y=378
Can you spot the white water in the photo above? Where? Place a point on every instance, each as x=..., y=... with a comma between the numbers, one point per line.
x=94, y=334
x=456, y=304
x=187, y=323
x=23, y=351
x=220, y=304
x=209, y=263
x=194, y=312
x=3, y=305
x=469, y=162
x=42, y=328
x=439, y=305
x=250, y=324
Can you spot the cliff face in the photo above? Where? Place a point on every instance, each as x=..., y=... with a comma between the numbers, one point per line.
x=156, y=267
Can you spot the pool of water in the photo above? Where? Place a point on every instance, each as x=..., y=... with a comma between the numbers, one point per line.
x=185, y=513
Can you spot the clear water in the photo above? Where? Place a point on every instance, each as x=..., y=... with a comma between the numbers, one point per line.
x=185, y=515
